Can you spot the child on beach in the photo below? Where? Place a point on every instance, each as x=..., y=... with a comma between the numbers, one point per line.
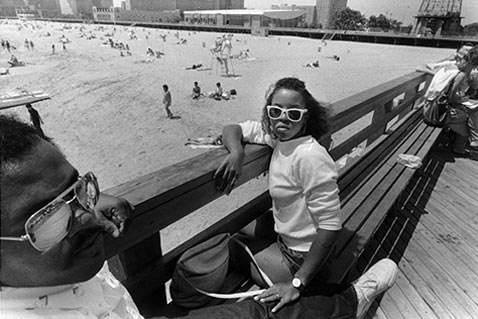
x=167, y=99
x=294, y=241
x=196, y=91
x=217, y=95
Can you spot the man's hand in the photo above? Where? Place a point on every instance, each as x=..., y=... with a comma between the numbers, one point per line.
x=282, y=293
x=229, y=172
x=114, y=213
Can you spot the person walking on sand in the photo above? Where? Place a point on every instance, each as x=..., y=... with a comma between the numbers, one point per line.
x=35, y=118
x=53, y=49
x=167, y=100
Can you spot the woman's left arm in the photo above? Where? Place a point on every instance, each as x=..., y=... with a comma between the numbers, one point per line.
x=319, y=252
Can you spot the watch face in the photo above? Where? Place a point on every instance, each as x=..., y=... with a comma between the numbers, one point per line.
x=296, y=282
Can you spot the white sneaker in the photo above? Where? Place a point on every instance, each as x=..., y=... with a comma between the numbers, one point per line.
x=379, y=278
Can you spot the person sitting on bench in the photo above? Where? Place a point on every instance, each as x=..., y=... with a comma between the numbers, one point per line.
x=293, y=241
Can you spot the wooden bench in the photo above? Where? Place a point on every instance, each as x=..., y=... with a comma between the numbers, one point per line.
x=369, y=186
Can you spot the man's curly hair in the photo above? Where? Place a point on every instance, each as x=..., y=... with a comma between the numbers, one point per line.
x=472, y=56
x=16, y=139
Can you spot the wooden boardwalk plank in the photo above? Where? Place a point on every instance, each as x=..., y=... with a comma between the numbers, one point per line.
x=418, y=282
x=443, y=191
x=434, y=238
x=445, y=271
x=413, y=297
x=464, y=254
x=408, y=297
x=450, y=225
x=396, y=305
x=390, y=308
x=426, y=291
x=457, y=270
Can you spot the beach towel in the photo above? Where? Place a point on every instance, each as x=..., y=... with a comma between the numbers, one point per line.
x=204, y=142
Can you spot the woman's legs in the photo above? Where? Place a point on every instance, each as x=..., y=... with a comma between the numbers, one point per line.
x=473, y=128
x=261, y=239
x=461, y=136
x=457, y=122
x=278, y=261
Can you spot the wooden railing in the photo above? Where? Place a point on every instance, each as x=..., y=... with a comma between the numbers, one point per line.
x=166, y=196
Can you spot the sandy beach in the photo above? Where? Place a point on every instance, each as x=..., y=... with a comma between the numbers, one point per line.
x=106, y=112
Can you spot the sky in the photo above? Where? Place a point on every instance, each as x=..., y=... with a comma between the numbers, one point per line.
x=401, y=10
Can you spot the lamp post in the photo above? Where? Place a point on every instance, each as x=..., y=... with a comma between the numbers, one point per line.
x=404, y=14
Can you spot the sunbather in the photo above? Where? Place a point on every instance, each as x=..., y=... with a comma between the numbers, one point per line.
x=314, y=64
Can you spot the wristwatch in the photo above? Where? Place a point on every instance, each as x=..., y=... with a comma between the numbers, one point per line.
x=297, y=284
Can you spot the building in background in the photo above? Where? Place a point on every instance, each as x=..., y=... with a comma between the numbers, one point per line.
x=9, y=8
x=159, y=11
x=326, y=10
x=253, y=19
x=112, y=14
x=184, y=5
x=310, y=17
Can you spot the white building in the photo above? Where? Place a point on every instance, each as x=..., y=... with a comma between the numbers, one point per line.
x=247, y=18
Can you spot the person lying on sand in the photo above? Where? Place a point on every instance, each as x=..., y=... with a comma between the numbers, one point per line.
x=244, y=54
x=205, y=141
x=334, y=57
x=182, y=41
x=4, y=71
x=194, y=67
x=314, y=64
x=14, y=61
x=150, y=52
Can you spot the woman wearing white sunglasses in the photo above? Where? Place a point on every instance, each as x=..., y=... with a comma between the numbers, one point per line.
x=293, y=242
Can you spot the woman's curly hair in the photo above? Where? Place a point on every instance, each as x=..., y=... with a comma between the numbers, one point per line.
x=318, y=116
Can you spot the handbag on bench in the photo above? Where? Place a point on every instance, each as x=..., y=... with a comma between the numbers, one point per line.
x=201, y=271
x=435, y=109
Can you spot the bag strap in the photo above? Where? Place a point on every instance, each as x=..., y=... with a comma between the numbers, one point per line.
x=261, y=272
x=450, y=86
x=236, y=295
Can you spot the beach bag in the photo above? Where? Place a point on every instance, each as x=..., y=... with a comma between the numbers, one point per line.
x=201, y=271
x=435, y=109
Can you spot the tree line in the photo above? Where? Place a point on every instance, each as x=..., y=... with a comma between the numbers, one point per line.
x=349, y=19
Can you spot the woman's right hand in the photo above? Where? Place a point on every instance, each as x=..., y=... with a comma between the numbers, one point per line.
x=229, y=171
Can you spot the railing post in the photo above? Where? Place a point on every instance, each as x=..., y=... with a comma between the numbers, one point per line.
x=378, y=120
x=129, y=262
